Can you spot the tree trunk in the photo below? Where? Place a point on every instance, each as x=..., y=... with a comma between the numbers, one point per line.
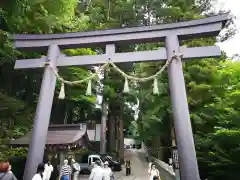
x=103, y=128
x=114, y=131
x=160, y=148
x=117, y=136
x=104, y=114
x=111, y=129
x=58, y=112
x=121, y=140
x=65, y=119
x=155, y=146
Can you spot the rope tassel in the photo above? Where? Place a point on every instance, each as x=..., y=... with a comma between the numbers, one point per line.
x=155, y=87
x=62, y=92
x=126, y=87
x=89, y=88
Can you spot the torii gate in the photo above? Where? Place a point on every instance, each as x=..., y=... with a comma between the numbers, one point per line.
x=170, y=33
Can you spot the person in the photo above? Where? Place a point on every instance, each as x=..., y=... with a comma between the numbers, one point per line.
x=149, y=166
x=5, y=171
x=128, y=167
x=97, y=172
x=153, y=172
x=65, y=172
x=108, y=174
x=40, y=172
x=48, y=170
x=75, y=169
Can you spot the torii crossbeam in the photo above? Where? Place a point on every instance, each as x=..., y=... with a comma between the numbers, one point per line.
x=169, y=33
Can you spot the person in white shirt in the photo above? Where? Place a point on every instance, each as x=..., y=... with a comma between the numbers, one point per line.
x=75, y=169
x=48, y=170
x=40, y=172
x=107, y=173
x=97, y=172
x=153, y=172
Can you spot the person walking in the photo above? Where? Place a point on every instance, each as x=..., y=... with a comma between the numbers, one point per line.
x=153, y=173
x=108, y=174
x=75, y=169
x=97, y=172
x=65, y=172
x=40, y=172
x=128, y=167
x=48, y=169
x=5, y=171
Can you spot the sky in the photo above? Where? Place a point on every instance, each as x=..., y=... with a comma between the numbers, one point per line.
x=231, y=46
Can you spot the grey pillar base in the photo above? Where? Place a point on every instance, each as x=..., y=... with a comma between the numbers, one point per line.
x=184, y=136
x=42, y=116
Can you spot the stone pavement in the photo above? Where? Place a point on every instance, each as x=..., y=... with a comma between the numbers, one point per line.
x=138, y=164
x=117, y=175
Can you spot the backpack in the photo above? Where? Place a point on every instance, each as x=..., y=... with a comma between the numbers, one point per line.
x=3, y=176
x=78, y=167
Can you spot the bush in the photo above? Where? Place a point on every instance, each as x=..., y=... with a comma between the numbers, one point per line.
x=13, y=152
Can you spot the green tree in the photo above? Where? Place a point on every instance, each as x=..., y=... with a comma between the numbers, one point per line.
x=212, y=84
x=23, y=85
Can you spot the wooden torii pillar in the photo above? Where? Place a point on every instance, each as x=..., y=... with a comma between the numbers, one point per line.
x=169, y=33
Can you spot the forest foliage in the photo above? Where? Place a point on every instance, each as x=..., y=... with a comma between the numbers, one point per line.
x=213, y=85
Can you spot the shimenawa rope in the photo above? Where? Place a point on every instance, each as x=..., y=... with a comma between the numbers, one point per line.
x=106, y=65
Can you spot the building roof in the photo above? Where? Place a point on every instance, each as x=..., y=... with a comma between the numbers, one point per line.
x=57, y=134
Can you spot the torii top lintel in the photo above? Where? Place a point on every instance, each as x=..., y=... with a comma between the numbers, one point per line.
x=205, y=27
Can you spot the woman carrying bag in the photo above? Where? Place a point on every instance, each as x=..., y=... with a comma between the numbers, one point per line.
x=153, y=173
x=5, y=171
